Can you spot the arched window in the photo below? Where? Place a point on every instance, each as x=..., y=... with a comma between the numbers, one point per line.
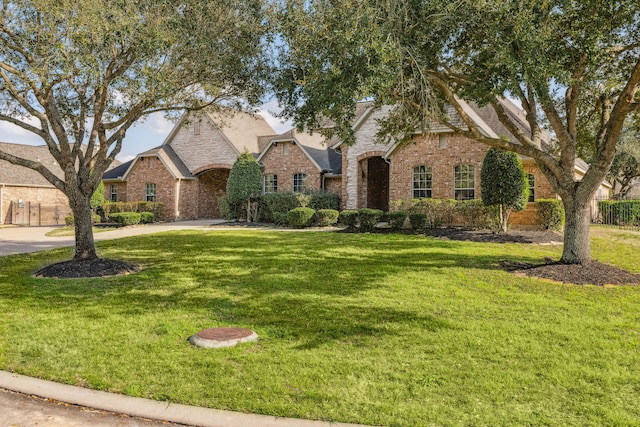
x=299, y=181
x=464, y=182
x=422, y=182
x=270, y=183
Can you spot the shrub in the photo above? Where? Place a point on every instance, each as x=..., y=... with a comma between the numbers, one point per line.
x=280, y=218
x=619, y=212
x=327, y=217
x=125, y=218
x=396, y=219
x=244, y=184
x=417, y=220
x=157, y=208
x=301, y=217
x=349, y=218
x=323, y=200
x=550, y=214
x=146, y=217
x=281, y=203
x=224, y=208
x=476, y=214
x=369, y=218
x=69, y=220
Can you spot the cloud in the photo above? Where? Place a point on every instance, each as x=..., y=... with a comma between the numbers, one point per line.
x=16, y=134
x=268, y=110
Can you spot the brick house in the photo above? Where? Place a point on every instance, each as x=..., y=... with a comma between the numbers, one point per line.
x=26, y=197
x=189, y=171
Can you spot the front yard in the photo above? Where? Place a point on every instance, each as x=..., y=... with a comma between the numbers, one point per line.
x=374, y=329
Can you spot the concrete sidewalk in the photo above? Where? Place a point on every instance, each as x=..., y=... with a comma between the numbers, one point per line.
x=18, y=240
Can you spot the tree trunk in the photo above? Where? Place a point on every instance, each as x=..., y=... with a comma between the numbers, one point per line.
x=85, y=245
x=504, y=218
x=577, y=248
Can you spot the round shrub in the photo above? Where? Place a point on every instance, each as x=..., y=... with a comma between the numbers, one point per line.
x=324, y=200
x=369, y=218
x=396, y=219
x=550, y=214
x=280, y=218
x=417, y=220
x=301, y=217
x=146, y=217
x=349, y=218
x=125, y=218
x=327, y=217
x=68, y=220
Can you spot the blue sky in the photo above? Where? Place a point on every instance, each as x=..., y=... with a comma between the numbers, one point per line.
x=143, y=136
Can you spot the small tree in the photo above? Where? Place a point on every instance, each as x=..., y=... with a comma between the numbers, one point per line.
x=504, y=183
x=245, y=184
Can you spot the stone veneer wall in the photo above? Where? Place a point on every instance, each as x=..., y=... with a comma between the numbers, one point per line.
x=286, y=165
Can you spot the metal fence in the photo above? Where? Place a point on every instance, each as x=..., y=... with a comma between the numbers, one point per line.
x=620, y=213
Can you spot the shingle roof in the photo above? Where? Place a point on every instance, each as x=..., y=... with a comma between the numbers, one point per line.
x=19, y=175
x=241, y=129
x=118, y=172
x=164, y=152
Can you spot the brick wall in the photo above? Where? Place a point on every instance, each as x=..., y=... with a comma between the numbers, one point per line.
x=208, y=147
x=121, y=191
x=333, y=185
x=426, y=151
x=152, y=170
x=54, y=205
x=275, y=161
x=188, y=202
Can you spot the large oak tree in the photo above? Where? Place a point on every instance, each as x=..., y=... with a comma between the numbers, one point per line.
x=573, y=65
x=79, y=74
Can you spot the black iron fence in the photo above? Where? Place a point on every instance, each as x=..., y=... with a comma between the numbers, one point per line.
x=624, y=213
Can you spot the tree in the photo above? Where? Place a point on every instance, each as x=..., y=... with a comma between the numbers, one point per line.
x=245, y=184
x=562, y=60
x=504, y=183
x=79, y=74
x=625, y=169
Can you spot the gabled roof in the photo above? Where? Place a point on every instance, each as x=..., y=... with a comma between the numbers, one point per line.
x=19, y=175
x=241, y=129
x=313, y=145
x=167, y=156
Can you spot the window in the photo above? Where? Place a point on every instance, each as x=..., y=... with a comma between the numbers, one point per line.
x=442, y=140
x=532, y=187
x=114, y=193
x=421, y=182
x=270, y=183
x=464, y=182
x=150, y=189
x=299, y=182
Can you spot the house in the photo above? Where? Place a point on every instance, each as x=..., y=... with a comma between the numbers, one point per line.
x=26, y=197
x=188, y=172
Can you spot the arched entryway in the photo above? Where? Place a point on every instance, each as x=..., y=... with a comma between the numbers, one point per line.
x=212, y=184
x=374, y=183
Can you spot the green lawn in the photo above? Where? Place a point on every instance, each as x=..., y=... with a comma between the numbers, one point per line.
x=374, y=329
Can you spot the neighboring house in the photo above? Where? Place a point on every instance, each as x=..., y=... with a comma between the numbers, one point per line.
x=189, y=171
x=26, y=197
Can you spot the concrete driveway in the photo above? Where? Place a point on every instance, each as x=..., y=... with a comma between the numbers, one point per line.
x=18, y=240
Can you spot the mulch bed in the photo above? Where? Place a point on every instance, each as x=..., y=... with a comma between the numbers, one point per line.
x=100, y=267
x=591, y=273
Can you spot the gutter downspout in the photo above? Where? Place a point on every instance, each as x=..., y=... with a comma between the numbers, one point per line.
x=177, y=201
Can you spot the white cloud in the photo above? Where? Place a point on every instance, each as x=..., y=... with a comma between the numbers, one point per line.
x=268, y=110
x=15, y=134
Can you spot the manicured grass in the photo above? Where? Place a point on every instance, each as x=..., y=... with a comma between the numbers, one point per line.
x=374, y=329
x=70, y=231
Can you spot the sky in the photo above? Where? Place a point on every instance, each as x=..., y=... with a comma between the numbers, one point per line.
x=141, y=137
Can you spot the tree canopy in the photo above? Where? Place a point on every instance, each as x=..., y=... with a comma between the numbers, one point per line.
x=573, y=66
x=79, y=74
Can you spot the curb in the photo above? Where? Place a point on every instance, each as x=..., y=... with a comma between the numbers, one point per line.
x=150, y=409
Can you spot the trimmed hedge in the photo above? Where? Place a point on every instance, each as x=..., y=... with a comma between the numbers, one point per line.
x=550, y=214
x=282, y=203
x=69, y=220
x=397, y=219
x=109, y=208
x=146, y=217
x=125, y=218
x=349, y=218
x=327, y=217
x=301, y=217
x=369, y=218
x=324, y=200
x=418, y=220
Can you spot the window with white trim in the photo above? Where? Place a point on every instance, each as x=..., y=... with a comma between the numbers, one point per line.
x=442, y=140
x=464, y=182
x=150, y=189
x=270, y=183
x=299, y=182
x=114, y=193
x=422, y=179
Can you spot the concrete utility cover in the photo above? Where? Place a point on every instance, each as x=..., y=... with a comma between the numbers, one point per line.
x=222, y=337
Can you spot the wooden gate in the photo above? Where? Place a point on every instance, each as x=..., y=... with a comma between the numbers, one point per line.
x=35, y=214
